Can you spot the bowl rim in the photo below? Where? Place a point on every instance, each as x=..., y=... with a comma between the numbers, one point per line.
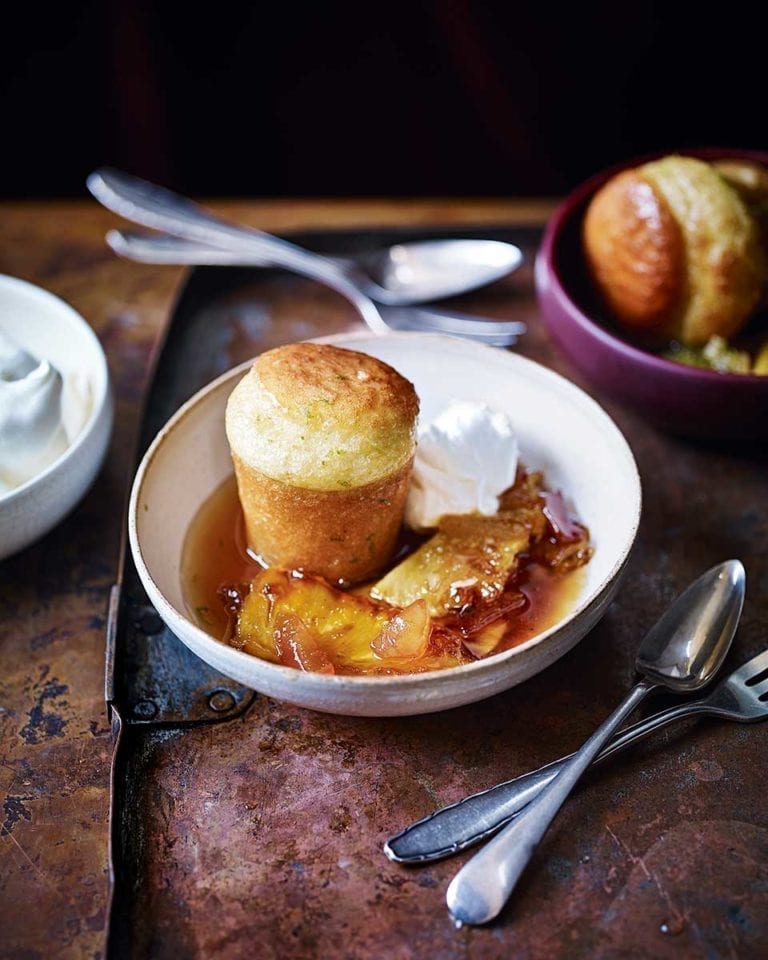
x=548, y=263
x=449, y=674
x=100, y=384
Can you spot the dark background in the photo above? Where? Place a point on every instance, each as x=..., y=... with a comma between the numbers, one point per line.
x=429, y=97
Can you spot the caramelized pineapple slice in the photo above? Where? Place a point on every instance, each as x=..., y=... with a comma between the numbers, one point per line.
x=486, y=641
x=303, y=622
x=469, y=560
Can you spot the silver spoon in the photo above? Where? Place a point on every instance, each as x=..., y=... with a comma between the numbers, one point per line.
x=741, y=696
x=682, y=652
x=401, y=275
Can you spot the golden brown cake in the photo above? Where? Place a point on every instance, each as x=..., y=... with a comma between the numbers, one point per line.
x=750, y=180
x=673, y=249
x=322, y=440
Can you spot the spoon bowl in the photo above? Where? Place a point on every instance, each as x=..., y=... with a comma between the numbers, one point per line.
x=687, y=645
x=417, y=272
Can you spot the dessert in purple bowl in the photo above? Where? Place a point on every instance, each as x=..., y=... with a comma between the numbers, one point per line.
x=683, y=399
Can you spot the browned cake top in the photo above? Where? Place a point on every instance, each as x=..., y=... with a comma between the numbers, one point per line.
x=302, y=375
x=322, y=417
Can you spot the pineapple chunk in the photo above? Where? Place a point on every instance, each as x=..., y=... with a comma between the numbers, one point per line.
x=304, y=622
x=469, y=559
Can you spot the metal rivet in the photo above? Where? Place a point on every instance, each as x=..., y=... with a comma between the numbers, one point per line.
x=221, y=701
x=150, y=623
x=145, y=709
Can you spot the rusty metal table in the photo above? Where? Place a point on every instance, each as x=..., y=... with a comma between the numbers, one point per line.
x=664, y=854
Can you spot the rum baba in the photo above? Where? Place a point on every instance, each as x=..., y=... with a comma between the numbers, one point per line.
x=322, y=442
x=677, y=250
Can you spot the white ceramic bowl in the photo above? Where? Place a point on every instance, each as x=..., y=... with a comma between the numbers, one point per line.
x=50, y=329
x=561, y=430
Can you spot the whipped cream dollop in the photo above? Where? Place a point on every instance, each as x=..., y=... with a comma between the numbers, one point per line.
x=465, y=458
x=32, y=431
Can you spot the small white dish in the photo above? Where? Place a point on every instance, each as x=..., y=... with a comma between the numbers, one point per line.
x=50, y=329
x=561, y=430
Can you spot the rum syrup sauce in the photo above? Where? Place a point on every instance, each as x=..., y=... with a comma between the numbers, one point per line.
x=215, y=553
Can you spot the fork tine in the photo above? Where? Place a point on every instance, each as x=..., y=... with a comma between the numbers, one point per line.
x=751, y=668
x=758, y=689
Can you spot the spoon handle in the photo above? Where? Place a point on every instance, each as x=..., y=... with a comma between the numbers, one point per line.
x=480, y=889
x=163, y=248
x=161, y=209
x=459, y=825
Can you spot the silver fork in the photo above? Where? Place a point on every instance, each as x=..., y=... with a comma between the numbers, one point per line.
x=742, y=696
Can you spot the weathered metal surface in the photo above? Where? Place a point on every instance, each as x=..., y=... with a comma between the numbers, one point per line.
x=265, y=834
x=262, y=836
x=267, y=837
x=55, y=739
x=156, y=679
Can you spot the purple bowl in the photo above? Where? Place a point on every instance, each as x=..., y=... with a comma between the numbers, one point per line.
x=685, y=400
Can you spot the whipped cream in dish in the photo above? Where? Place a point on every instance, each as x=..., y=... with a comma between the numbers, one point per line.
x=466, y=457
x=40, y=414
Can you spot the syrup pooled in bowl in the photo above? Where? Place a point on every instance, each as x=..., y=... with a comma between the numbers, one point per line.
x=292, y=618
